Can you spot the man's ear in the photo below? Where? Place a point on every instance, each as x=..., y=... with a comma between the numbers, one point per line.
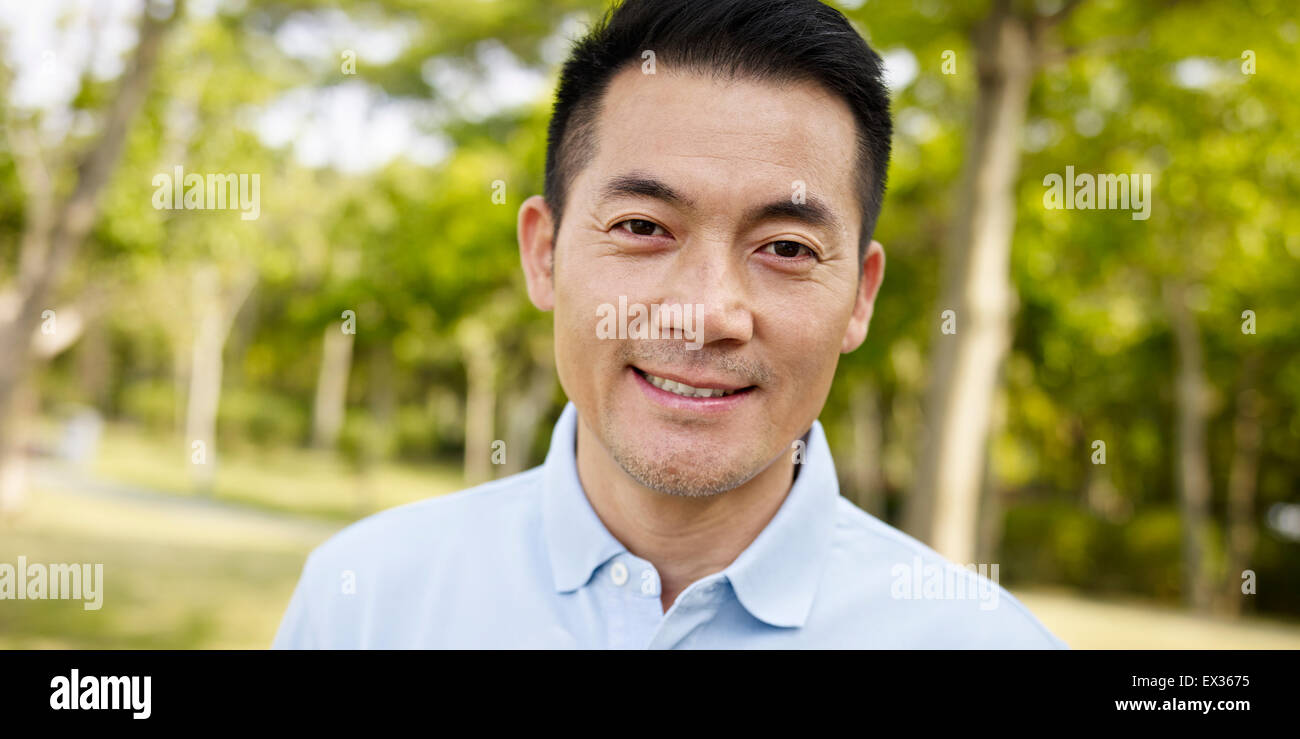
x=537, y=251
x=873, y=271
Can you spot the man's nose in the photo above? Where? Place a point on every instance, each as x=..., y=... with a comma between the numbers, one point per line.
x=710, y=278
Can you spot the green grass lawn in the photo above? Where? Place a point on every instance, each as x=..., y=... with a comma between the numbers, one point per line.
x=1135, y=623
x=302, y=481
x=182, y=570
x=174, y=577
x=179, y=571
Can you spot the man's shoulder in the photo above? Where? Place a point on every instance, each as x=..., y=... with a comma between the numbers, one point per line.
x=486, y=512
x=859, y=533
x=960, y=605
x=375, y=583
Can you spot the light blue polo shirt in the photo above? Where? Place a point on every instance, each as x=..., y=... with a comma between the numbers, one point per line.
x=524, y=562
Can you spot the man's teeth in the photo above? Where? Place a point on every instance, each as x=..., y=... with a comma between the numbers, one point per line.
x=681, y=388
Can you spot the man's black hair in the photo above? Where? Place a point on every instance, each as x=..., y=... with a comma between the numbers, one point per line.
x=767, y=40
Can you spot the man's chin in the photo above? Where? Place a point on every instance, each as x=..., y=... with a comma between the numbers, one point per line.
x=686, y=473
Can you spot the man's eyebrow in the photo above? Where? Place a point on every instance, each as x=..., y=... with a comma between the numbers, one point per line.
x=644, y=186
x=812, y=212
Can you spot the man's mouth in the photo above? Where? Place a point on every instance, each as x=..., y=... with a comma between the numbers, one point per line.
x=677, y=387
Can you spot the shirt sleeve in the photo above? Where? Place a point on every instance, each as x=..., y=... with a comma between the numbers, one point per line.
x=296, y=628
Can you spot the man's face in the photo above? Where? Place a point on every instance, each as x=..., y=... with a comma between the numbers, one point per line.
x=736, y=201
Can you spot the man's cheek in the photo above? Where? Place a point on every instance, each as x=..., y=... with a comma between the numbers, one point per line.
x=576, y=313
x=811, y=354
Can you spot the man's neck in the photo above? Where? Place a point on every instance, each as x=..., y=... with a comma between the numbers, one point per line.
x=684, y=538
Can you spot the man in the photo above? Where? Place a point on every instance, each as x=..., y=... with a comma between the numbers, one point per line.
x=713, y=177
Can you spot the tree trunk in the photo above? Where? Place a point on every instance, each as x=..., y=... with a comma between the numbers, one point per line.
x=331, y=387
x=382, y=396
x=95, y=365
x=527, y=409
x=944, y=506
x=13, y=468
x=1193, y=463
x=181, y=360
x=480, y=355
x=1242, y=476
x=992, y=503
x=215, y=312
x=864, y=477
x=54, y=234
x=382, y=400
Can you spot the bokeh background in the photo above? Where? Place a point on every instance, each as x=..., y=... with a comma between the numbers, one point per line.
x=394, y=141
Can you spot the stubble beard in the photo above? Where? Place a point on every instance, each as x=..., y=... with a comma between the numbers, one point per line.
x=685, y=473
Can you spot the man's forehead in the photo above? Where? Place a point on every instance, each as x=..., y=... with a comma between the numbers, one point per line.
x=735, y=132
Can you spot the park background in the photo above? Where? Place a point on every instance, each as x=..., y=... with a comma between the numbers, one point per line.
x=394, y=141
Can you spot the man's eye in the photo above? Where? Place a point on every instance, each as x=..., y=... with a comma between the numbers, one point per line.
x=788, y=249
x=639, y=226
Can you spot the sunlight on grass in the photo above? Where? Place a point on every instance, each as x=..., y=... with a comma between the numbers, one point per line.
x=181, y=570
x=174, y=577
x=291, y=480
x=1131, y=623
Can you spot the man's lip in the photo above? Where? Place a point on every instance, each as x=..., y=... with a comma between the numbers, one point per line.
x=702, y=383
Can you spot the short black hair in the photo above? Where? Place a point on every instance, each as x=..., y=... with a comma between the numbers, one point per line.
x=767, y=40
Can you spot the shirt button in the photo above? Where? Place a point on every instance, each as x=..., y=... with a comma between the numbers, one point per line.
x=618, y=573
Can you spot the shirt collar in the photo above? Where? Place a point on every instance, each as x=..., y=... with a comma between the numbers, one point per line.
x=775, y=578
x=576, y=539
